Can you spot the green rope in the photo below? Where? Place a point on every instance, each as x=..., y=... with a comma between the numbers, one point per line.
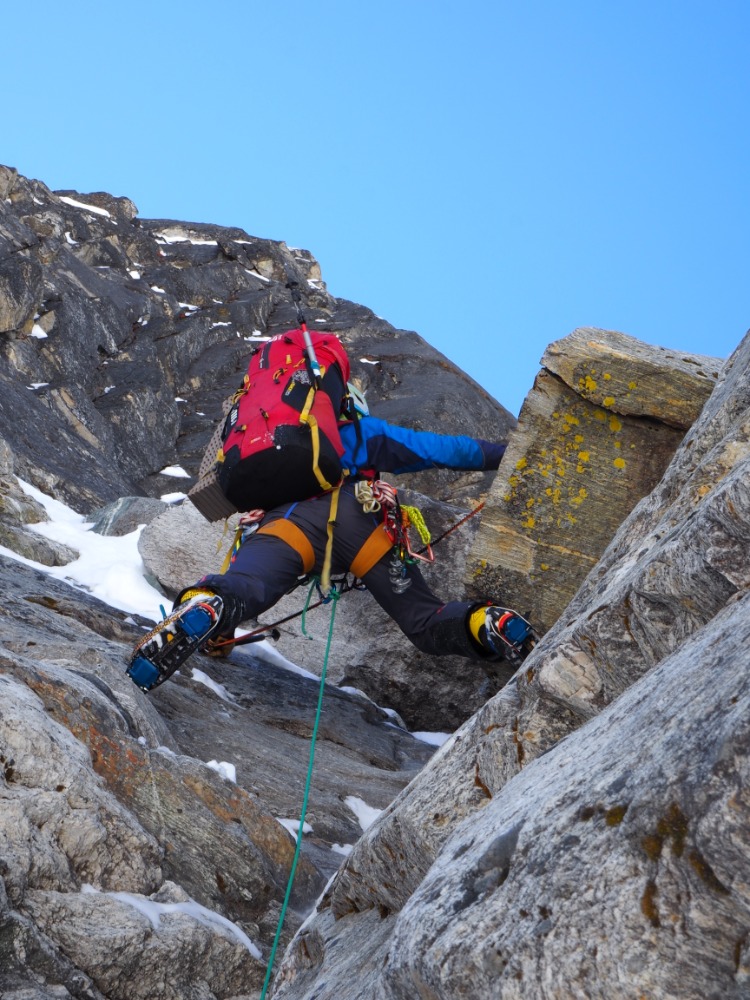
x=334, y=597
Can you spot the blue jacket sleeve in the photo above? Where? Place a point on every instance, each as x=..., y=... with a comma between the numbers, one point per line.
x=389, y=448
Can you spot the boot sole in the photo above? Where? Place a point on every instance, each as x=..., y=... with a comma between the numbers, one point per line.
x=166, y=647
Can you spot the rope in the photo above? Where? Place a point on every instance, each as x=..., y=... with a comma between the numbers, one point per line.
x=334, y=597
x=463, y=520
x=415, y=517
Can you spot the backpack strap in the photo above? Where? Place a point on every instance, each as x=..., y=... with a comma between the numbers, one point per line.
x=306, y=417
x=325, y=576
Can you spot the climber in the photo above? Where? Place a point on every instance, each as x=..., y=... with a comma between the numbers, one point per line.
x=356, y=528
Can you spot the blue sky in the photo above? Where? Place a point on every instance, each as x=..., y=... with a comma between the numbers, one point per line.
x=491, y=175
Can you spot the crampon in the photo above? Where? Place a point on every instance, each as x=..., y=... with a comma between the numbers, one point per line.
x=166, y=647
x=509, y=634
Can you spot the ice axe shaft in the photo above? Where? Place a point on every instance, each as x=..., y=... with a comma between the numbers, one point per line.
x=293, y=287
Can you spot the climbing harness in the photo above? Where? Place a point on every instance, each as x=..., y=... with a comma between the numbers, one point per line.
x=332, y=598
x=374, y=548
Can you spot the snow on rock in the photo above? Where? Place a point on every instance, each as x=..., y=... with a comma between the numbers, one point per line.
x=224, y=768
x=218, y=689
x=292, y=825
x=365, y=814
x=94, y=209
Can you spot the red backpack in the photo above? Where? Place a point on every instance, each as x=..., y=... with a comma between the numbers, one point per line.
x=280, y=438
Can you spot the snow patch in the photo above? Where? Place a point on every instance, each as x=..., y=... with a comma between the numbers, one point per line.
x=292, y=825
x=155, y=911
x=175, y=470
x=108, y=566
x=345, y=849
x=366, y=815
x=87, y=208
x=265, y=651
x=209, y=682
x=224, y=768
x=175, y=234
x=37, y=331
x=434, y=739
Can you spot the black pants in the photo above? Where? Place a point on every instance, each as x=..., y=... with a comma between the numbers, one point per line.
x=265, y=568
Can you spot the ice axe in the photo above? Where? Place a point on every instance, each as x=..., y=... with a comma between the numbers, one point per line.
x=293, y=287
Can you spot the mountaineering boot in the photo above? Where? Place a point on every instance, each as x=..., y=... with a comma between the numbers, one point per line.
x=503, y=632
x=166, y=647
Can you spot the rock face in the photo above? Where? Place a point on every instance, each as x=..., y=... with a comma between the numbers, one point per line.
x=585, y=833
x=121, y=337
x=130, y=867
x=595, y=434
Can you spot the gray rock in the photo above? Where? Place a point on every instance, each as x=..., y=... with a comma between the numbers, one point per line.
x=60, y=461
x=537, y=893
x=20, y=292
x=6, y=459
x=120, y=783
x=127, y=954
x=125, y=515
x=601, y=870
x=179, y=546
x=60, y=827
x=595, y=434
x=16, y=506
